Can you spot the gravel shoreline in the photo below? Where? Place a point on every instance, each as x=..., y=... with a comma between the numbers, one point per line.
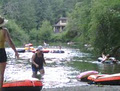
x=85, y=88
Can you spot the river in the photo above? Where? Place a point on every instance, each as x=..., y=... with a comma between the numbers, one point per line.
x=61, y=69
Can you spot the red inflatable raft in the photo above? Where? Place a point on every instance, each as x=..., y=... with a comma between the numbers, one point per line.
x=83, y=76
x=113, y=79
x=45, y=51
x=23, y=85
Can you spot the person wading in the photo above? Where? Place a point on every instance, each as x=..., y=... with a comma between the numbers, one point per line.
x=37, y=62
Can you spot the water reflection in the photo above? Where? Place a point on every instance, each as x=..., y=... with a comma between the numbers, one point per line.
x=87, y=63
x=109, y=68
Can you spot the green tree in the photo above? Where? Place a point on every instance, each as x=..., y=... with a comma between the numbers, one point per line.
x=17, y=34
x=104, y=25
x=22, y=11
x=45, y=32
x=34, y=33
x=78, y=23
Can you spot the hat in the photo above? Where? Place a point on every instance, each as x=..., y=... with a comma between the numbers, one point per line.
x=39, y=48
x=3, y=21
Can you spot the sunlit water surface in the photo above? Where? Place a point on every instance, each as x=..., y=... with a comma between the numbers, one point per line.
x=61, y=69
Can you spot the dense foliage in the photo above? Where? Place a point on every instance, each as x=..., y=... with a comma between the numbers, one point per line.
x=95, y=23
x=30, y=15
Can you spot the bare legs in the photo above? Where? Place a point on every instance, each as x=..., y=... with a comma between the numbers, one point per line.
x=34, y=74
x=2, y=69
x=42, y=72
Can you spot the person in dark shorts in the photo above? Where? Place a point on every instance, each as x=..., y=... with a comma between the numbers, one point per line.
x=4, y=37
x=37, y=62
x=3, y=56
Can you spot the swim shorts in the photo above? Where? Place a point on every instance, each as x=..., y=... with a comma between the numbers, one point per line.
x=34, y=69
x=3, y=56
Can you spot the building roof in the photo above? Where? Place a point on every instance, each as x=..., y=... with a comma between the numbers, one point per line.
x=63, y=18
x=58, y=24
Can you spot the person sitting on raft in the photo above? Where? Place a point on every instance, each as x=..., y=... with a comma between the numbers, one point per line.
x=106, y=57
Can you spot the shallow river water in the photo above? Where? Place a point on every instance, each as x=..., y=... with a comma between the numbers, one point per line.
x=61, y=69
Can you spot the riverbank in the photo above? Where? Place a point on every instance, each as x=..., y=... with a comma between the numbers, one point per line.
x=85, y=88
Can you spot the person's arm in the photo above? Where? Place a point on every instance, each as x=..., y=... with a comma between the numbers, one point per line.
x=33, y=60
x=9, y=40
x=103, y=56
x=43, y=59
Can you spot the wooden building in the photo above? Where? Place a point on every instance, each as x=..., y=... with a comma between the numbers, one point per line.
x=59, y=27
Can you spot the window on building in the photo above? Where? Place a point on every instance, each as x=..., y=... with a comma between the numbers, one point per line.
x=63, y=21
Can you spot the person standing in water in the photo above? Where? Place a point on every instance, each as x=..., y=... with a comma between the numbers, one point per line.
x=37, y=62
x=4, y=37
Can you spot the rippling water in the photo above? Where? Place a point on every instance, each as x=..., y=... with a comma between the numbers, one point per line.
x=61, y=69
